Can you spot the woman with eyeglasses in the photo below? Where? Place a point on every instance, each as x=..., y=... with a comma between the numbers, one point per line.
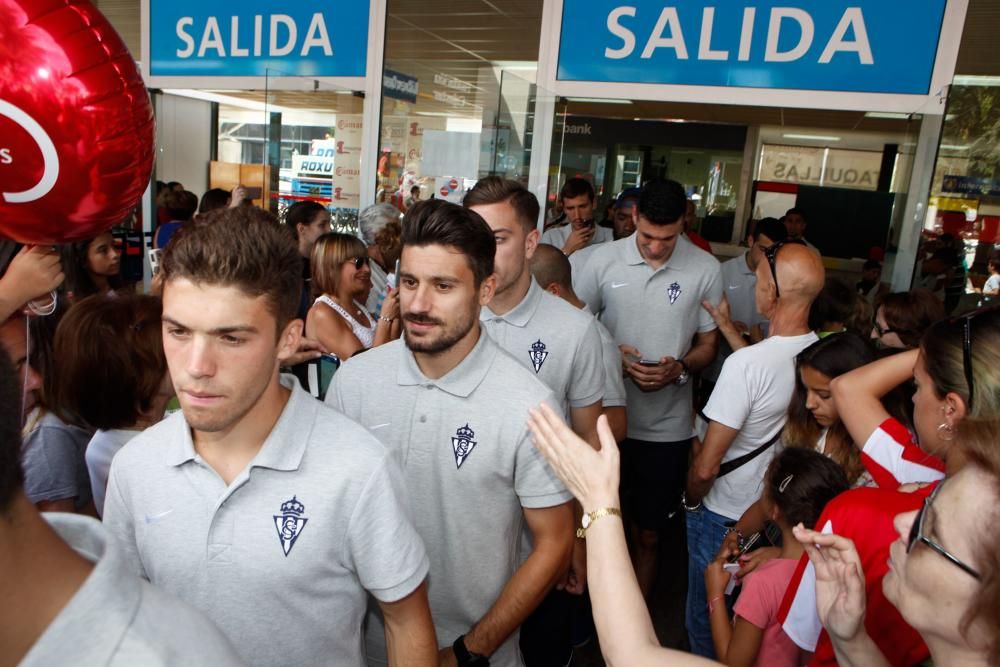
x=944, y=568
x=902, y=317
x=342, y=279
x=957, y=373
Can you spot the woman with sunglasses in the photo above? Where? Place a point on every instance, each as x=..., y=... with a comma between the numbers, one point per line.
x=342, y=278
x=944, y=568
x=957, y=373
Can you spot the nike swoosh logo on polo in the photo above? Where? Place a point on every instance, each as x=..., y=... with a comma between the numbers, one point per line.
x=153, y=518
x=372, y=428
x=733, y=287
x=617, y=285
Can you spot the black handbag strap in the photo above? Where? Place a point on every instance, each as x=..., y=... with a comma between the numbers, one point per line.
x=739, y=461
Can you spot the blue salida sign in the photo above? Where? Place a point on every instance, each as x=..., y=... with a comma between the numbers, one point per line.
x=874, y=46
x=221, y=38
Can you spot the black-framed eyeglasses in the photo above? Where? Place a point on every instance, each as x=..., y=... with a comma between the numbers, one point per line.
x=771, y=253
x=887, y=330
x=917, y=535
x=359, y=262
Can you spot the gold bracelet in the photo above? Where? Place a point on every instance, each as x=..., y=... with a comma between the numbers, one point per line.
x=590, y=517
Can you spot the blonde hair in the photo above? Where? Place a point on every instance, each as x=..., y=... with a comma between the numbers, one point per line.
x=328, y=255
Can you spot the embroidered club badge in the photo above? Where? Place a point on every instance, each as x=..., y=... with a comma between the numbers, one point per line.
x=538, y=355
x=673, y=292
x=290, y=523
x=463, y=444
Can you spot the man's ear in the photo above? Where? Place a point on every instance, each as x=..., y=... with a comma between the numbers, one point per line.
x=487, y=289
x=531, y=241
x=288, y=339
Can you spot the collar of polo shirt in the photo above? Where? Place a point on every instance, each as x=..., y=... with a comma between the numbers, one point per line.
x=461, y=380
x=520, y=314
x=677, y=258
x=285, y=444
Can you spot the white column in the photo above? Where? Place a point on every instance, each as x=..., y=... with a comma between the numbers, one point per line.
x=916, y=201
x=372, y=109
x=545, y=107
x=751, y=149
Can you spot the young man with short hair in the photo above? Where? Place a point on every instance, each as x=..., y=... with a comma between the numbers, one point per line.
x=453, y=408
x=648, y=289
x=562, y=347
x=69, y=598
x=581, y=230
x=264, y=508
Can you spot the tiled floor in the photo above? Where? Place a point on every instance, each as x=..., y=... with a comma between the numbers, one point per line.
x=667, y=603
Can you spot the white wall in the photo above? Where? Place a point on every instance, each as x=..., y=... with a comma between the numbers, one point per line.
x=183, y=141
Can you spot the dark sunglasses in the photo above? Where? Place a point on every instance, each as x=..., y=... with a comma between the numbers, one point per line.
x=917, y=535
x=966, y=321
x=771, y=252
x=359, y=262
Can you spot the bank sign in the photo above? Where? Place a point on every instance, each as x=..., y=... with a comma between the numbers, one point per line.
x=240, y=38
x=861, y=46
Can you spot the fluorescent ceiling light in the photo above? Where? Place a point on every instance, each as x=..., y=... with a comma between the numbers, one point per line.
x=228, y=100
x=529, y=65
x=952, y=147
x=968, y=80
x=887, y=114
x=811, y=137
x=442, y=114
x=597, y=100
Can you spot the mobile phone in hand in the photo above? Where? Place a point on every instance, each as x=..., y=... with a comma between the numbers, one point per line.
x=649, y=362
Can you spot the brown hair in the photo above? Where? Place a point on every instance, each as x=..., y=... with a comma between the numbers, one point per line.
x=242, y=247
x=437, y=222
x=110, y=351
x=181, y=205
x=328, y=255
x=495, y=189
x=979, y=438
x=832, y=356
x=909, y=314
x=389, y=242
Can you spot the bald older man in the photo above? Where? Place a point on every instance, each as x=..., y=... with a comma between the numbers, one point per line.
x=745, y=415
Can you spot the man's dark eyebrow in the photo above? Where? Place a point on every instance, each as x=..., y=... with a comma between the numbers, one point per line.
x=219, y=331
x=433, y=279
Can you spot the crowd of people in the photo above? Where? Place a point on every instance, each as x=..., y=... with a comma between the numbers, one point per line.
x=456, y=439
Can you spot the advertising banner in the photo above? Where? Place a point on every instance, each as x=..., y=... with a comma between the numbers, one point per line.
x=218, y=38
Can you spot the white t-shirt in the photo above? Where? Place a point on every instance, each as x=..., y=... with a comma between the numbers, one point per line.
x=752, y=395
x=992, y=285
x=100, y=450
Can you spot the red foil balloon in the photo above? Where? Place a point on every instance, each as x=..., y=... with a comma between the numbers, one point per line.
x=76, y=125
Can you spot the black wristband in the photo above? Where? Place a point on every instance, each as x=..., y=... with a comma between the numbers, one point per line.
x=466, y=658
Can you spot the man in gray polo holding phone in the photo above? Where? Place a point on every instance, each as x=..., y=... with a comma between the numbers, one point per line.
x=647, y=289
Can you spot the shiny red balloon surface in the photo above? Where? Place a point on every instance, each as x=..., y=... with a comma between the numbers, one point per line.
x=76, y=124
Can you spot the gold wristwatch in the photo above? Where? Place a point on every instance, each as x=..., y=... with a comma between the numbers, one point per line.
x=591, y=517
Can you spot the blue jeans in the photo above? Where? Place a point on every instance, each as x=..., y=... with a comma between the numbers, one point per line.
x=705, y=532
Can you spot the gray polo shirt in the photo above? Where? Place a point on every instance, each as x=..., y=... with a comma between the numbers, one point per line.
x=614, y=381
x=117, y=619
x=282, y=558
x=556, y=342
x=470, y=466
x=557, y=236
x=658, y=312
x=738, y=284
